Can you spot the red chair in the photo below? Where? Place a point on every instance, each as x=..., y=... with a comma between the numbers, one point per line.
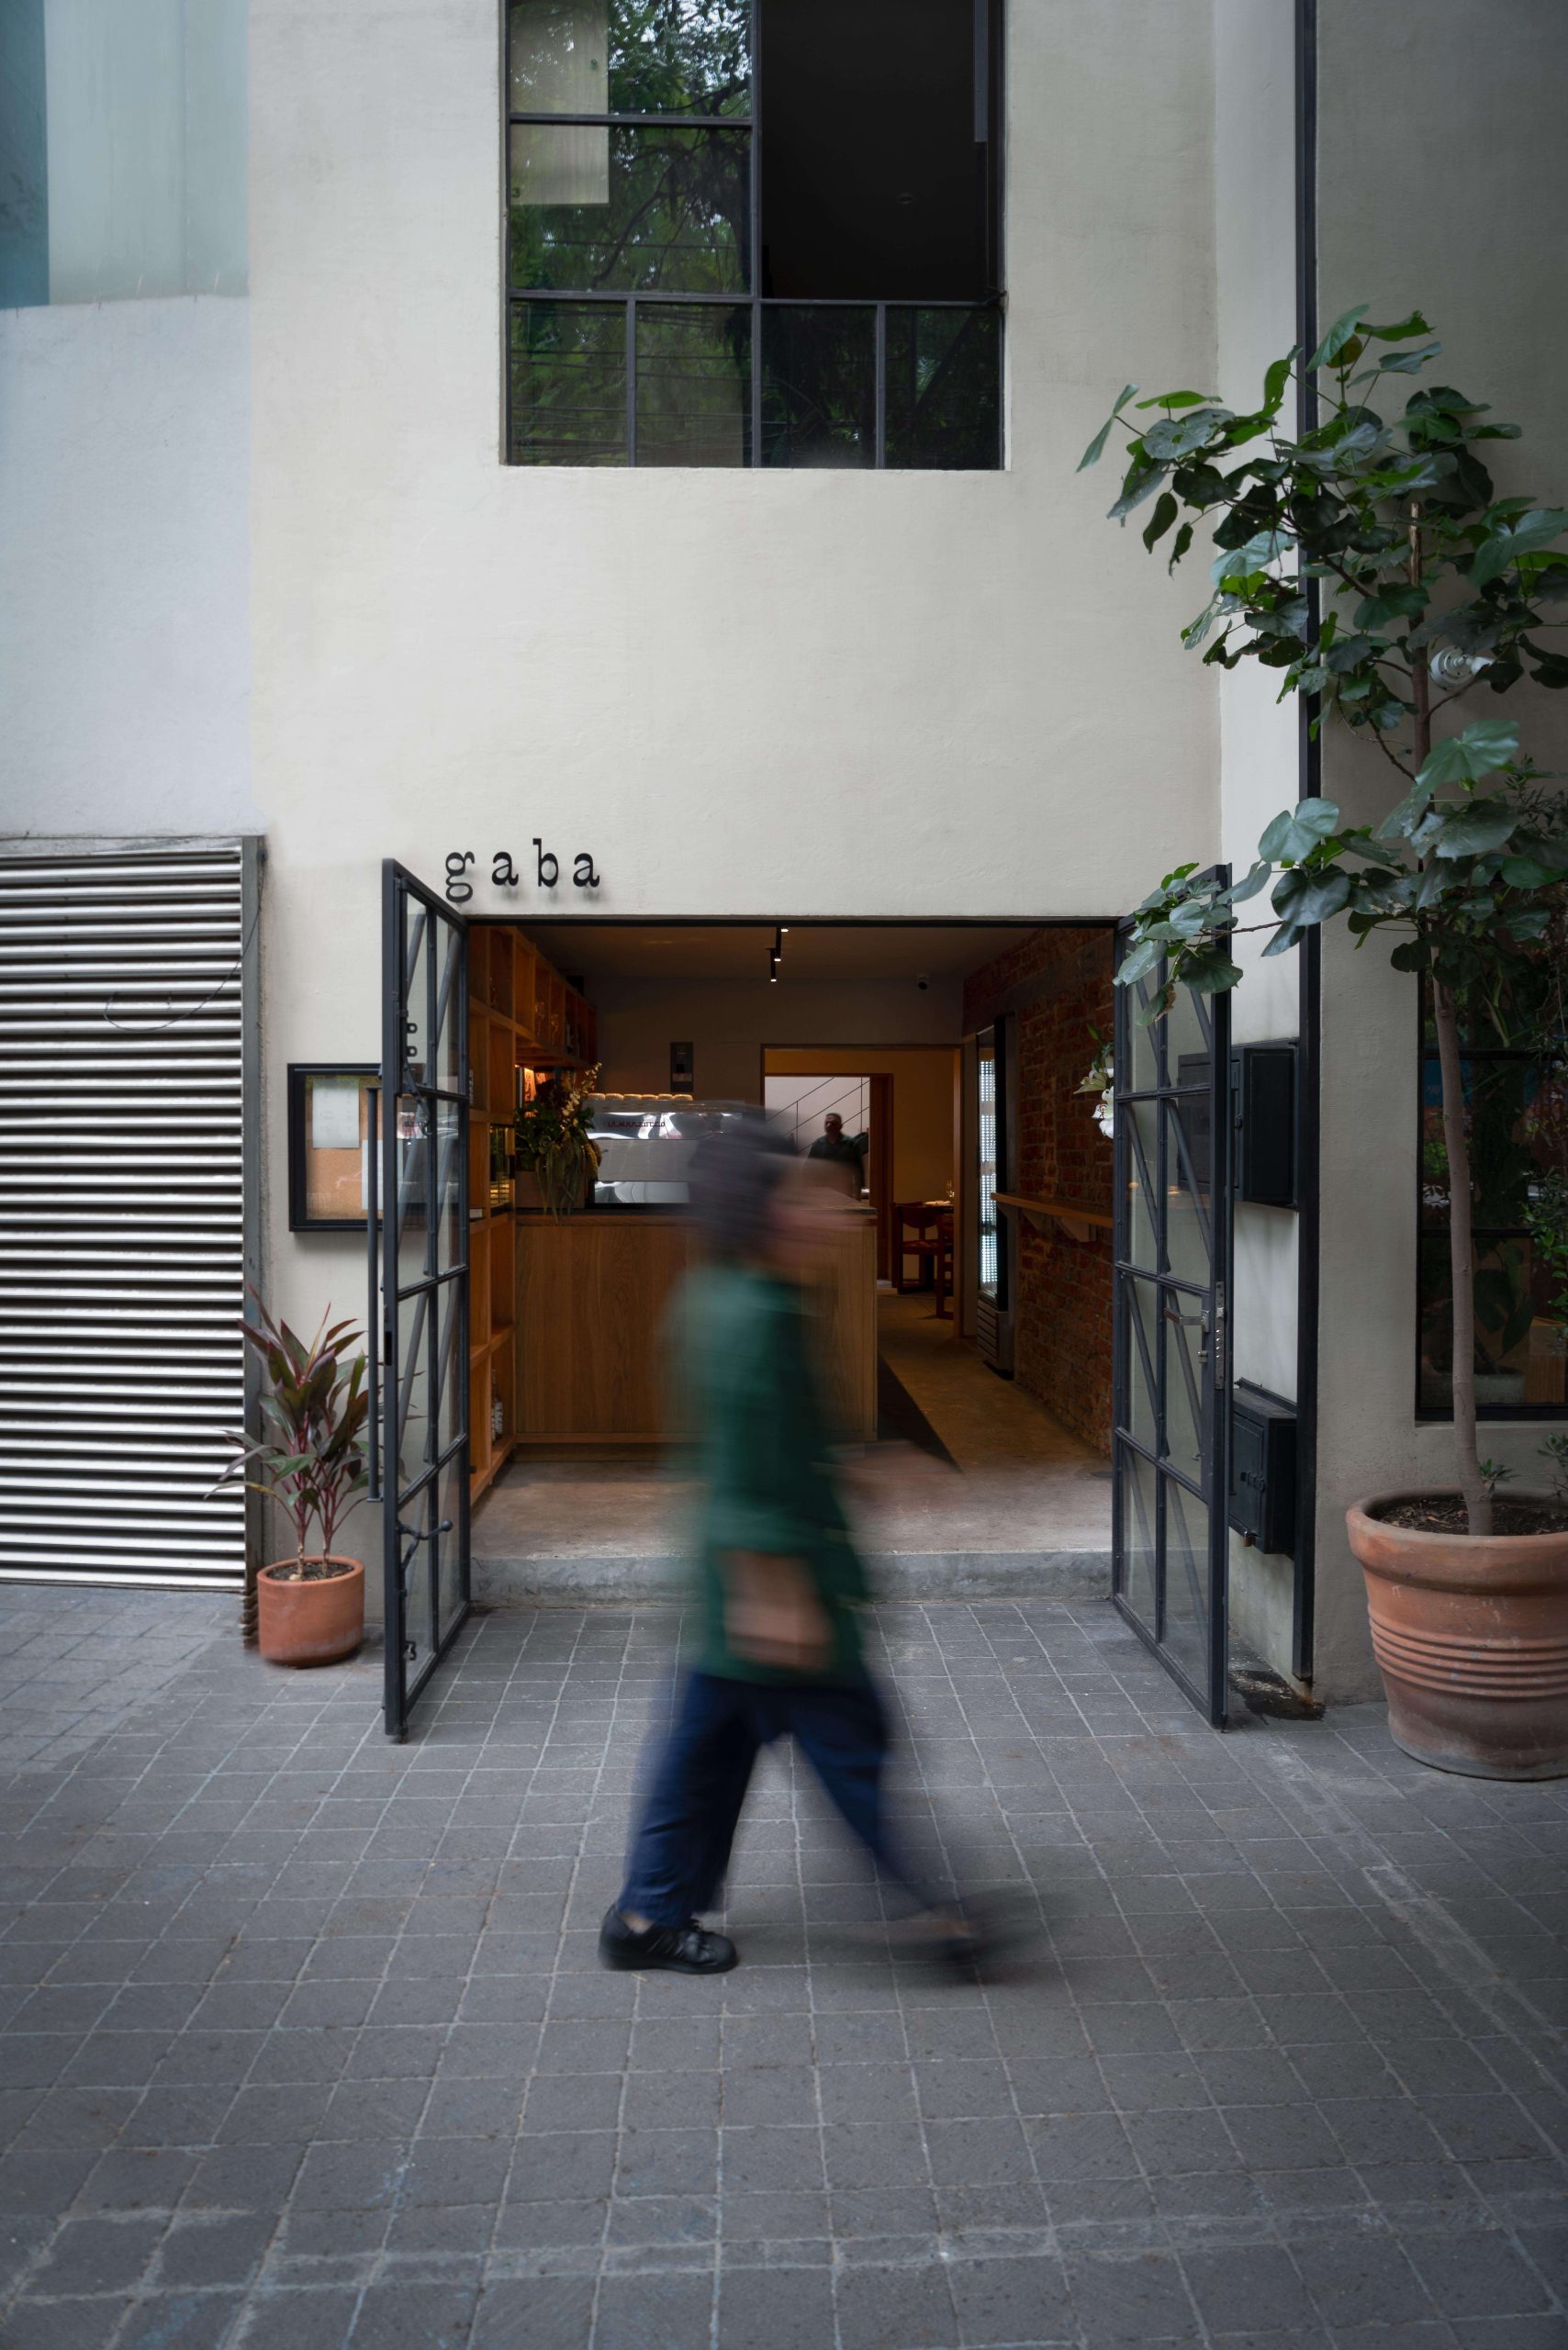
x=923, y=1229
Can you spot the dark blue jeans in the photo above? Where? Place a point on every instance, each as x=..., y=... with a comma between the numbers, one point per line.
x=680, y=1847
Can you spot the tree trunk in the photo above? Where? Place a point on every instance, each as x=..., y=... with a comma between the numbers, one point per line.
x=1461, y=1262
x=1461, y=1239
x=1460, y=1198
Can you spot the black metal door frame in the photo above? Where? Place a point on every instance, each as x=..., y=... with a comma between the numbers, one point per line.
x=1171, y=1387
x=419, y=1305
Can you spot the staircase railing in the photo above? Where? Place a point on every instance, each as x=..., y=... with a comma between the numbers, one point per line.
x=790, y=1115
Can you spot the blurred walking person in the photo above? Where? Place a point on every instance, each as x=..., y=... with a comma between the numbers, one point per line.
x=778, y=1583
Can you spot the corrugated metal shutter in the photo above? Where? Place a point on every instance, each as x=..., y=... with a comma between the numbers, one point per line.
x=121, y=1214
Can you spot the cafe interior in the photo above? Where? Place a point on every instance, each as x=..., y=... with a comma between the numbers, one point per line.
x=961, y=1296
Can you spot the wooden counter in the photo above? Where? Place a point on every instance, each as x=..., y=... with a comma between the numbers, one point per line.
x=593, y=1296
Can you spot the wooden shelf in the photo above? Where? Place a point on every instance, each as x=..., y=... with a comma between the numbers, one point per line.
x=521, y=1014
x=483, y=1477
x=1078, y=1223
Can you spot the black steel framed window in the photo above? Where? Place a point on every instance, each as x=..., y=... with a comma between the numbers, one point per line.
x=1517, y=1102
x=697, y=275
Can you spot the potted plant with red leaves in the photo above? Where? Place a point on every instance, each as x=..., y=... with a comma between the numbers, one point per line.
x=1370, y=561
x=311, y=1459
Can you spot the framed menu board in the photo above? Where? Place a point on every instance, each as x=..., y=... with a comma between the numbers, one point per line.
x=329, y=1129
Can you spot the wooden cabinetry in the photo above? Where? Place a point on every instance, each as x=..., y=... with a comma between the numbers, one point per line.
x=592, y=1296
x=523, y=1021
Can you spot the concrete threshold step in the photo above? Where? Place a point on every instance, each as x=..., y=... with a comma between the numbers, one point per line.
x=577, y=1579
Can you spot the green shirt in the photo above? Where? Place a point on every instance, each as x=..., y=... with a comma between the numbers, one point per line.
x=762, y=1444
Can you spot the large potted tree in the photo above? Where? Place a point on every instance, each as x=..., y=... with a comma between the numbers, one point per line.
x=311, y=1459
x=1369, y=561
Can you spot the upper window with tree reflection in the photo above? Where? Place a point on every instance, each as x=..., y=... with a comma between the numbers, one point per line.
x=820, y=172
x=630, y=56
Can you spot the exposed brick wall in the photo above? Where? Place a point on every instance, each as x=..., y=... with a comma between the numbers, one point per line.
x=1058, y=983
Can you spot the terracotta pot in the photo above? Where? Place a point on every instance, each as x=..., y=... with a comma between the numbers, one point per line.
x=1471, y=1635
x=309, y=1623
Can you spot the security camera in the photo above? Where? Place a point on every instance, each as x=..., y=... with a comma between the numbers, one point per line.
x=924, y=981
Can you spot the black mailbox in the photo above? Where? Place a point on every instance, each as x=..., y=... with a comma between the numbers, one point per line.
x=1262, y=1469
x=1264, y=1081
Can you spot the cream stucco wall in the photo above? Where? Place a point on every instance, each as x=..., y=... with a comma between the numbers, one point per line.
x=758, y=693
x=745, y=692
x=895, y=689
x=124, y=568
x=1434, y=125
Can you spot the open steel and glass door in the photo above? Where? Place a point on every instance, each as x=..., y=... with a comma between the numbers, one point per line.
x=1172, y=1246
x=421, y=1258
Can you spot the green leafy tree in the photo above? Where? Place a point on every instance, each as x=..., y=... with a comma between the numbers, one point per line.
x=1430, y=587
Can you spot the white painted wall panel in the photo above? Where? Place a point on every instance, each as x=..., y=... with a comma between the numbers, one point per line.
x=124, y=660
x=851, y=693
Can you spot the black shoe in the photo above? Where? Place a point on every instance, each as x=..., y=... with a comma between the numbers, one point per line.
x=674, y=1950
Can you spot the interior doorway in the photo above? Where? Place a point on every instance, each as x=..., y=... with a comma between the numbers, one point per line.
x=971, y=1473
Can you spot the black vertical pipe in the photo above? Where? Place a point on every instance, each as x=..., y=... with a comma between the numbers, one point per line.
x=1310, y=967
x=754, y=194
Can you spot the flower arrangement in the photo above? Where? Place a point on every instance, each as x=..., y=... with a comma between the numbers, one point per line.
x=1098, y=1081
x=553, y=1141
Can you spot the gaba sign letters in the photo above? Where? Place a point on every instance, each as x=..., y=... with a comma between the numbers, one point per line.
x=504, y=874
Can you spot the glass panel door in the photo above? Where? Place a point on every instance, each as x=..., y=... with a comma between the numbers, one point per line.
x=1169, y=1536
x=420, y=1255
x=988, y=1234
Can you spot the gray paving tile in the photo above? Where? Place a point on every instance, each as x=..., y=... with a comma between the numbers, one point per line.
x=413, y=2316
x=1011, y=2301
x=196, y=2320
x=1361, y=2279
x=85, y=2324
x=205, y=2248
x=891, y=2154
x=316, y=2317
x=654, y=2313
x=1130, y=2296
x=1478, y=2276
x=371, y=1897
x=97, y=2256
x=910, y=2306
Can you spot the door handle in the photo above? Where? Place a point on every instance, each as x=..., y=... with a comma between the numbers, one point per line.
x=1192, y=1322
